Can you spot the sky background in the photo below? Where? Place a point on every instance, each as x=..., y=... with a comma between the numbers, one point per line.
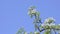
x=13, y=14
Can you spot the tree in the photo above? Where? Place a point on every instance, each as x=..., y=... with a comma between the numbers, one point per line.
x=47, y=26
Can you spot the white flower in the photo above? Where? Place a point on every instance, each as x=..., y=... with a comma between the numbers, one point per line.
x=52, y=24
x=32, y=11
x=25, y=33
x=49, y=20
x=36, y=33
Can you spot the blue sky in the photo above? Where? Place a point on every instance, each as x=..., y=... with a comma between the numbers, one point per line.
x=13, y=14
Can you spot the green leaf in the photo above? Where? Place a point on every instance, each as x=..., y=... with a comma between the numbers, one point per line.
x=31, y=32
x=20, y=30
x=47, y=32
x=36, y=32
